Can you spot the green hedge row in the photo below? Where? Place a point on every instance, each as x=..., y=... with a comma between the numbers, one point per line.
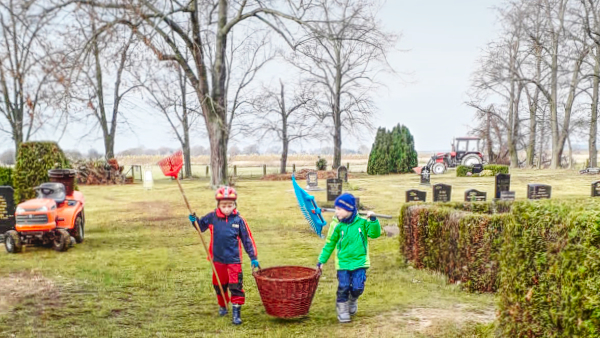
x=6, y=176
x=33, y=162
x=462, y=245
x=495, y=169
x=543, y=258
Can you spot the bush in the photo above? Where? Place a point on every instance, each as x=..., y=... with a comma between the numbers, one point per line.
x=550, y=271
x=392, y=152
x=321, y=164
x=495, y=169
x=6, y=176
x=33, y=162
x=462, y=245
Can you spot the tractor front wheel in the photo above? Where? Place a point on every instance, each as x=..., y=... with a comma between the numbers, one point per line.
x=61, y=241
x=439, y=168
x=12, y=242
x=78, y=230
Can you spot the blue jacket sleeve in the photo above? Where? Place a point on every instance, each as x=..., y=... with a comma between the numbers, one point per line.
x=247, y=239
x=205, y=221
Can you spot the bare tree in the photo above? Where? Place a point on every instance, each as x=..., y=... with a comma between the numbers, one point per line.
x=28, y=64
x=591, y=25
x=202, y=28
x=344, y=51
x=286, y=116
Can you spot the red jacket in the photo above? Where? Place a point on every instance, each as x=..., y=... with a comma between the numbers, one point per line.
x=227, y=235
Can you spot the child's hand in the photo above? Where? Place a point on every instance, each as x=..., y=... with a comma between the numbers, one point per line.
x=255, y=264
x=319, y=266
x=192, y=218
x=370, y=214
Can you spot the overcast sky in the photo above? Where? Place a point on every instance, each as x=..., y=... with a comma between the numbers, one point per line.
x=441, y=41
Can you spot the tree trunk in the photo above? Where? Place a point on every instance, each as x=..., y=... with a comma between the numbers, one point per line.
x=284, y=155
x=593, y=150
x=337, y=114
x=187, y=158
x=218, y=154
x=533, y=107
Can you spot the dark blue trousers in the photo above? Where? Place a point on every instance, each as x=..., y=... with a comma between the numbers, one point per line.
x=350, y=283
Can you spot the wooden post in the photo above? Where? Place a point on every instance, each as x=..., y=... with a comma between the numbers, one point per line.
x=264, y=170
x=206, y=171
x=294, y=167
x=348, y=166
x=235, y=170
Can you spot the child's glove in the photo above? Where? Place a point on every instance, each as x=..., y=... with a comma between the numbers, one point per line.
x=319, y=264
x=255, y=263
x=192, y=218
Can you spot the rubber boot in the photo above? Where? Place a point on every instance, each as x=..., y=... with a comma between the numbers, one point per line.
x=236, y=318
x=342, y=312
x=352, y=305
x=222, y=311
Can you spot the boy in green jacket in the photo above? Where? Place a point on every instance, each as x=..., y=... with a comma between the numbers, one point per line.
x=348, y=234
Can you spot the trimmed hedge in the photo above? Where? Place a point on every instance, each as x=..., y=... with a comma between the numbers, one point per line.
x=543, y=257
x=6, y=176
x=550, y=271
x=462, y=245
x=33, y=162
x=462, y=171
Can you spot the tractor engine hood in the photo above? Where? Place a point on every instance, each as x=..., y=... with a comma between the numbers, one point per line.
x=36, y=205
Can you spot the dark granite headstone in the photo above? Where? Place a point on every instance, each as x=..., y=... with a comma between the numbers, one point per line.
x=7, y=209
x=334, y=188
x=442, y=192
x=596, y=189
x=416, y=196
x=538, y=191
x=502, y=184
x=473, y=195
x=342, y=173
x=477, y=168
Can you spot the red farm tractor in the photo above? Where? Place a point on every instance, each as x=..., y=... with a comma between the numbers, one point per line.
x=55, y=218
x=465, y=151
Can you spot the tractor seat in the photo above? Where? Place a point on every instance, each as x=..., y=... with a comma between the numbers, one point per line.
x=52, y=190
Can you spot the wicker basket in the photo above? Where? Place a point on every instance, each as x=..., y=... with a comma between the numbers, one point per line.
x=287, y=291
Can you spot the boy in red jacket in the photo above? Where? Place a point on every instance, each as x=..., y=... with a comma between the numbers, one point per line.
x=228, y=233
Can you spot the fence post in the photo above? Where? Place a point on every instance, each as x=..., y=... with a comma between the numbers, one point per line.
x=348, y=166
x=235, y=170
x=264, y=170
x=206, y=171
x=294, y=167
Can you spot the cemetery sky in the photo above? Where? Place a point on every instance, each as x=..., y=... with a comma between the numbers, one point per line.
x=435, y=56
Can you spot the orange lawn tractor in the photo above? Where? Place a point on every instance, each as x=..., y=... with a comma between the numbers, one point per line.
x=55, y=218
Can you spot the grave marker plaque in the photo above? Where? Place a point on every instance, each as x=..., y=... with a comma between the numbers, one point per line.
x=596, y=189
x=334, y=188
x=342, y=173
x=442, y=192
x=416, y=196
x=312, y=181
x=473, y=195
x=502, y=184
x=425, y=176
x=7, y=209
x=538, y=191
x=507, y=195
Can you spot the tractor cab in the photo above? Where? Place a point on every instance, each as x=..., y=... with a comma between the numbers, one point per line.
x=464, y=146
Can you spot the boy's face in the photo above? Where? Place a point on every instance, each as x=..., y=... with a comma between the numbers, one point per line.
x=226, y=207
x=342, y=213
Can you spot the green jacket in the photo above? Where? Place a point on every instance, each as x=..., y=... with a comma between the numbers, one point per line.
x=350, y=242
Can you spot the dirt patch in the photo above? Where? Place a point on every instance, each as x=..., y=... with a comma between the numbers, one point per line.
x=151, y=211
x=301, y=175
x=22, y=286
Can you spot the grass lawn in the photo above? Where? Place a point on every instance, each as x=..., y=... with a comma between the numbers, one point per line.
x=142, y=272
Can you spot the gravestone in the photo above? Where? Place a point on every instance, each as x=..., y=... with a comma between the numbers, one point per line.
x=416, y=196
x=7, y=209
x=342, y=173
x=334, y=188
x=596, y=189
x=477, y=168
x=473, y=195
x=507, y=195
x=425, y=176
x=442, y=192
x=148, y=180
x=312, y=181
x=538, y=191
x=502, y=184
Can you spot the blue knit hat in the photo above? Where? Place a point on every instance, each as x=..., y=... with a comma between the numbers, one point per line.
x=346, y=201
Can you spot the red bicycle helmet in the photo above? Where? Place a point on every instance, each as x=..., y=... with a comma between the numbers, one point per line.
x=226, y=193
